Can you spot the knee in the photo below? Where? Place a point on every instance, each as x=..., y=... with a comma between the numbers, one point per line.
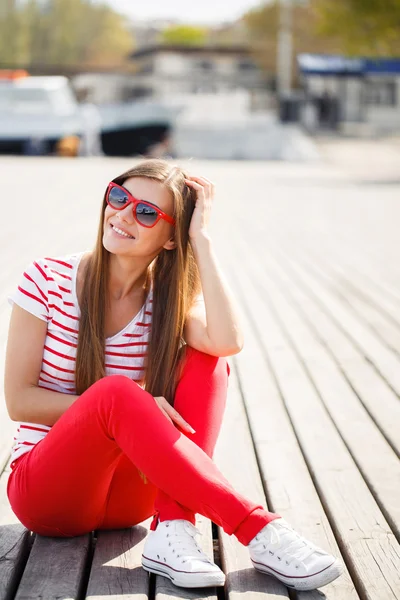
x=114, y=387
x=115, y=382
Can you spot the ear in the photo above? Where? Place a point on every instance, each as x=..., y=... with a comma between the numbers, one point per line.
x=170, y=245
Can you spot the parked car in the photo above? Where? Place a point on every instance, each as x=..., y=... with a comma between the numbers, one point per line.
x=41, y=115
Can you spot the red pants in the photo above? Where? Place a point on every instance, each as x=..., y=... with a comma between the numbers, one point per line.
x=84, y=474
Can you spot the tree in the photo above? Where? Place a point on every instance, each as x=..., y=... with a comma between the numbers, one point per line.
x=63, y=32
x=365, y=27
x=9, y=29
x=185, y=35
x=263, y=23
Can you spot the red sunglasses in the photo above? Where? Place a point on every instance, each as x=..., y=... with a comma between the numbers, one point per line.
x=146, y=214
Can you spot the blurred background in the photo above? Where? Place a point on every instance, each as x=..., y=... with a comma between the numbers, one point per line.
x=238, y=80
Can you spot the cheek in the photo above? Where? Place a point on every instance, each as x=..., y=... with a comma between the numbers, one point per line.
x=108, y=213
x=152, y=239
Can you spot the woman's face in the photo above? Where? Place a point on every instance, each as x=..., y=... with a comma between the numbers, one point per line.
x=146, y=241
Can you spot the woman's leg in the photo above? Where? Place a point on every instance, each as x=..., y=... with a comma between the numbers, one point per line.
x=55, y=484
x=129, y=500
x=200, y=398
x=61, y=487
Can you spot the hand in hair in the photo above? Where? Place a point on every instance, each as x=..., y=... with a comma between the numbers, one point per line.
x=172, y=414
x=204, y=198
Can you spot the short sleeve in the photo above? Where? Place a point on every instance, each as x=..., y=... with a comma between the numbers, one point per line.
x=32, y=291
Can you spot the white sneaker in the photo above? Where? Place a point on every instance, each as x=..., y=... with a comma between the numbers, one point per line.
x=171, y=550
x=280, y=551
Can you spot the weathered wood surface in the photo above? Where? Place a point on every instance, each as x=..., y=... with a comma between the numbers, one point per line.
x=312, y=426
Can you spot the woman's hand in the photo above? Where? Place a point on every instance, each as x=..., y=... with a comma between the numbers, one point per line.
x=201, y=214
x=171, y=414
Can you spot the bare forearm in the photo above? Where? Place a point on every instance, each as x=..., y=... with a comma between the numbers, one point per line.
x=223, y=325
x=38, y=405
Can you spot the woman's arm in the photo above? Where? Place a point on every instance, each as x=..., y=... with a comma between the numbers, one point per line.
x=38, y=405
x=25, y=400
x=212, y=325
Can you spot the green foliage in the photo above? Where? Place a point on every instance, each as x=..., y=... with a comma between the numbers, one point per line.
x=263, y=24
x=185, y=35
x=365, y=27
x=62, y=32
x=354, y=27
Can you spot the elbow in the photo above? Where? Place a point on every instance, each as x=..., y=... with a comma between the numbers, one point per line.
x=235, y=349
x=232, y=349
x=238, y=345
x=15, y=405
x=232, y=346
x=13, y=413
x=13, y=409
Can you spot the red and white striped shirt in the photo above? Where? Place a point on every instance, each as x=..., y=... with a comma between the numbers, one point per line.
x=48, y=290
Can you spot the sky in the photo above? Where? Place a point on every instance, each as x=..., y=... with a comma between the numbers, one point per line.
x=203, y=11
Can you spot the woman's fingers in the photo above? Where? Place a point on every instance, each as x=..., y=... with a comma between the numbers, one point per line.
x=167, y=415
x=181, y=421
x=204, y=182
x=173, y=414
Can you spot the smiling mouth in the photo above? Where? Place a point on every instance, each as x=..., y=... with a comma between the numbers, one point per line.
x=121, y=235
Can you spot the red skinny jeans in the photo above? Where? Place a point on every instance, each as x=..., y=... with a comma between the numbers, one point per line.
x=84, y=474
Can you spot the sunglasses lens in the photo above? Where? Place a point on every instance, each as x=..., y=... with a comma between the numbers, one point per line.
x=146, y=215
x=117, y=198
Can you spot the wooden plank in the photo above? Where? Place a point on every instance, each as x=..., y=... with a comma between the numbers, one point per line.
x=372, y=265
x=234, y=456
x=357, y=260
x=376, y=460
x=371, y=550
x=360, y=284
x=237, y=183
x=290, y=489
x=364, y=379
x=386, y=362
x=385, y=325
x=55, y=568
x=15, y=543
x=116, y=569
x=55, y=565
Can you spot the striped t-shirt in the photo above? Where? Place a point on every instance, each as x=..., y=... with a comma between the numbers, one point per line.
x=48, y=290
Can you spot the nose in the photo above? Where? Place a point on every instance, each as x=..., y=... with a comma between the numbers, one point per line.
x=126, y=214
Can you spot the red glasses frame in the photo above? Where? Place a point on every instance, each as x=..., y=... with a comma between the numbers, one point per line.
x=134, y=201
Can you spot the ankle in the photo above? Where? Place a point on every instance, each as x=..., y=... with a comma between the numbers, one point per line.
x=262, y=530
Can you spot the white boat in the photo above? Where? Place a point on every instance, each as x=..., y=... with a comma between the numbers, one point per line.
x=37, y=113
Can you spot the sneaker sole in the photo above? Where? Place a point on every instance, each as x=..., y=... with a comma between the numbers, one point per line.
x=309, y=582
x=181, y=578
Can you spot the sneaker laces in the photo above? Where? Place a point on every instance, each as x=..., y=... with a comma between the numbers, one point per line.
x=185, y=543
x=278, y=537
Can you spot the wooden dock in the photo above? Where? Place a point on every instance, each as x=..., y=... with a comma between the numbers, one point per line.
x=312, y=426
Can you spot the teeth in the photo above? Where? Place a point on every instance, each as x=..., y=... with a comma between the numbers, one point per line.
x=121, y=232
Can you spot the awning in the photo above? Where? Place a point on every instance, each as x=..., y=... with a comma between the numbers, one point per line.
x=329, y=64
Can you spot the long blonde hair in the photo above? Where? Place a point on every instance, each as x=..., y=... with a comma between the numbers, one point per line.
x=174, y=277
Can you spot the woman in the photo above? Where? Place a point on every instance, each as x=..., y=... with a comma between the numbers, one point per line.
x=121, y=387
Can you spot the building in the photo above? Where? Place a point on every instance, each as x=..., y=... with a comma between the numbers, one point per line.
x=164, y=70
x=351, y=91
